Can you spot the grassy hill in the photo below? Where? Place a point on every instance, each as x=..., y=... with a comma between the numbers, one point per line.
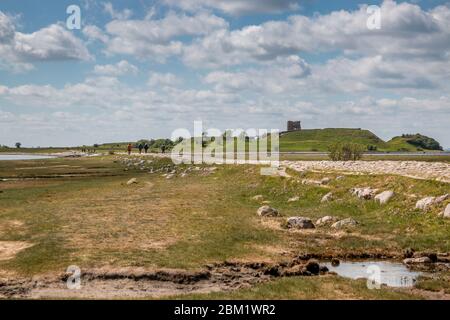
x=320, y=139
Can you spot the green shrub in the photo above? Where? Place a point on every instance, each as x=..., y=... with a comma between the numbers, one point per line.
x=345, y=151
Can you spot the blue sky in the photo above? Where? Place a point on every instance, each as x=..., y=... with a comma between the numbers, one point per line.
x=141, y=69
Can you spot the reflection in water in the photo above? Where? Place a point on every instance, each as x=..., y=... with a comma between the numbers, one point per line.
x=392, y=274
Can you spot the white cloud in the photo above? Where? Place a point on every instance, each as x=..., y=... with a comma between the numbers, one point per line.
x=116, y=14
x=163, y=79
x=237, y=7
x=121, y=68
x=407, y=31
x=95, y=33
x=19, y=50
x=155, y=39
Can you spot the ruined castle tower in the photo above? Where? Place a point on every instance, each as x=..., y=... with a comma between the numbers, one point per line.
x=294, y=126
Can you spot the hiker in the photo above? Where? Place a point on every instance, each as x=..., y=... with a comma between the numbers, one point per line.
x=163, y=148
x=129, y=148
x=140, y=147
x=146, y=147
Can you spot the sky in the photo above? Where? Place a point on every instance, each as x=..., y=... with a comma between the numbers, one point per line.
x=142, y=69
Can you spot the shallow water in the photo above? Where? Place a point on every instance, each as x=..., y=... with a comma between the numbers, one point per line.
x=392, y=274
x=23, y=157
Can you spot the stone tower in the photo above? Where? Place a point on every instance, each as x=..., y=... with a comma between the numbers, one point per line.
x=294, y=126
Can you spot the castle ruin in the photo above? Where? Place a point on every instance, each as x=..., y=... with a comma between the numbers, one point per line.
x=294, y=126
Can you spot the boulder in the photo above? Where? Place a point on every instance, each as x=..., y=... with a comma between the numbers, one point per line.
x=326, y=220
x=313, y=266
x=349, y=222
x=447, y=212
x=364, y=193
x=384, y=196
x=266, y=211
x=327, y=197
x=293, y=199
x=425, y=203
x=300, y=223
x=132, y=181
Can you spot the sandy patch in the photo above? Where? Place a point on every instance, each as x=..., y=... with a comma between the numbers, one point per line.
x=9, y=249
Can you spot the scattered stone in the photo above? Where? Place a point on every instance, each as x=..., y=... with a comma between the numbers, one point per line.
x=293, y=199
x=325, y=180
x=408, y=253
x=313, y=266
x=311, y=182
x=339, y=178
x=327, y=197
x=335, y=262
x=417, y=260
x=258, y=197
x=424, y=203
x=132, y=181
x=349, y=222
x=384, y=197
x=326, y=220
x=266, y=211
x=441, y=198
x=364, y=193
x=265, y=202
x=300, y=223
x=447, y=212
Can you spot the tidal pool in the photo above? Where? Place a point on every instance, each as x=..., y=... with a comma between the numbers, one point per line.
x=392, y=274
x=23, y=157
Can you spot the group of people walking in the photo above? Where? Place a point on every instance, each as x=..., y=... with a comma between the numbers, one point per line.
x=144, y=147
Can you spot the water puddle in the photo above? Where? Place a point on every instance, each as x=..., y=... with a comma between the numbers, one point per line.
x=392, y=274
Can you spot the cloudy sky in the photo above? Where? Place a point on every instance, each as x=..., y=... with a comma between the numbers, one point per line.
x=141, y=68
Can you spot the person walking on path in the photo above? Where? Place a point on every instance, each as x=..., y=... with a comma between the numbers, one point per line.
x=163, y=148
x=129, y=148
x=140, y=146
x=146, y=147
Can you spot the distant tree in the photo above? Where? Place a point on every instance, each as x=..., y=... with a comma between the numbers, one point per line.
x=96, y=145
x=18, y=145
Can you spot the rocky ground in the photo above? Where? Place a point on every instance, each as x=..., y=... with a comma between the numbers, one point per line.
x=414, y=169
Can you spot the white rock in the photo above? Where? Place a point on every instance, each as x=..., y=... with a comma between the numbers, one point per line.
x=384, y=196
x=326, y=220
x=447, y=211
x=293, y=199
x=300, y=223
x=327, y=197
x=441, y=198
x=257, y=197
x=266, y=211
x=424, y=203
x=132, y=181
x=364, y=193
x=349, y=222
x=325, y=180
